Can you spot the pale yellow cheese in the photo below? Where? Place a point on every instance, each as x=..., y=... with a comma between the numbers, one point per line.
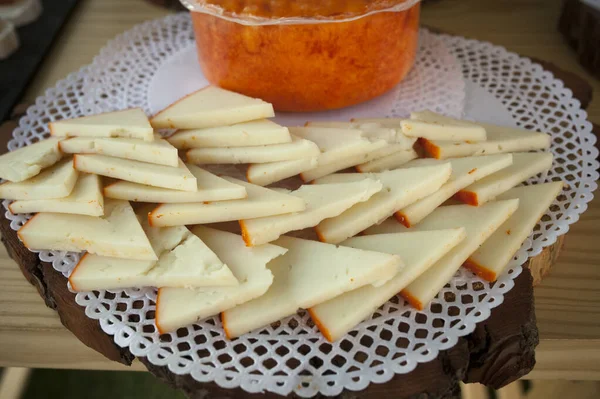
x=335, y=144
x=391, y=133
x=297, y=149
x=308, y=274
x=493, y=256
x=388, y=162
x=28, y=161
x=369, y=152
x=117, y=234
x=479, y=223
x=179, y=178
x=178, y=307
x=418, y=251
x=247, y=134
x=183, y=261
x=322, y=201
x=465, y=171
x=400, y=188
x=260, y=202
x=159, y=151
x=500, y=140
x=263, y=174
x=524, y=166
x=129, y=123
x=78, y=145
x=85, y=199
x=434, y=130
x=209, y=107
x=55, y=182
x=388, y=226
x=210, y=188
x=385, y=122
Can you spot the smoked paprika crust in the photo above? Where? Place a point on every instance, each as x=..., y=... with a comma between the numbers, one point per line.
x=313, y=66
x=479, y=270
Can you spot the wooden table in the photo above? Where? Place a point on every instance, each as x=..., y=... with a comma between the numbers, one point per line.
x=567, y=303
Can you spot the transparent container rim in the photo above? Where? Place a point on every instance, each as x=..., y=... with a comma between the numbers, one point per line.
x=250, y=20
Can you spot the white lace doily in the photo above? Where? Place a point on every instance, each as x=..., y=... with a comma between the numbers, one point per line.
x=293, y=356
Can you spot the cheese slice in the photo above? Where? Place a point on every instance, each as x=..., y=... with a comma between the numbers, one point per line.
x=210, y=188
x=388, y=226
x=524, y=166
x=55, y=182
x=129, y=123
x=263, y=174
x=400, y=188
x=179, y=178
x=178, y=307
x=85, y=199
x=159, y=151
x=26, y=162
x=308, y=274
x=374, y=131
x=260, y=202
x=322, y=201
x=209, y=107
x=247, y=134
x=479, y=223
x=434, y=130
x=369, y=152
x=77, y=145
x=184, y=261
x=118, y=234
x=500, y=140
x=385, y=122
x=465, y=171
x=335, y=144
x=490, y=260
x=387, y=162
x=418, y=250
x=297, y=149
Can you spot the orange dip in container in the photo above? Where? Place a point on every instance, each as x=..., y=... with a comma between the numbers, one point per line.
x=306, y=55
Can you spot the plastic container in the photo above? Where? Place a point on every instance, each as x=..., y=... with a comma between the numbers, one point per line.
x=306, y=55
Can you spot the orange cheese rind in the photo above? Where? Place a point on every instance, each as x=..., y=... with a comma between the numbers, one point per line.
x=152, y=215
x=414, y=301
x=224, y=324
x=467, y=197
x=319, y=234
x=481, y=271
x=320, y=325
x=402, y=219
x=245, y=234
x=75, y=271
x=156, y=314
x=430, y=148
x=21, y=229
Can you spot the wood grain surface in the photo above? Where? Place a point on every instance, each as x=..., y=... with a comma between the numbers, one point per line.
x=567, y=303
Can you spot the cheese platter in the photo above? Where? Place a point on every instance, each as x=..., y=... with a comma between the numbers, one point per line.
x=397, y=185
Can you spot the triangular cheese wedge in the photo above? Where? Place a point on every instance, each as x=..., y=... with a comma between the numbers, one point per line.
x=209, y=107
x=78, y=145
x=297, y=149
x=432, y=126
x=479, y=223
x=418, y=250
x=178, y=307
x=387, y=162
x=159, y=151
x=465, y=171
x=368, y=153
x=26, y=162
x=335, y=144
x=183, y=261
x=524, y=166
x=129, y=123
x=55, y=182
x=263, y=174
x=391, y=134
x=494, y=255
x=85, y=199
x=385, y=122
x=247, y=134
x=179, y=178
x=118, y=234
x=308, y=274
x=210, y=188
x=388, y=226
x=500, y=140
x=322, y=201
x=400, y=188
x=260, y=202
